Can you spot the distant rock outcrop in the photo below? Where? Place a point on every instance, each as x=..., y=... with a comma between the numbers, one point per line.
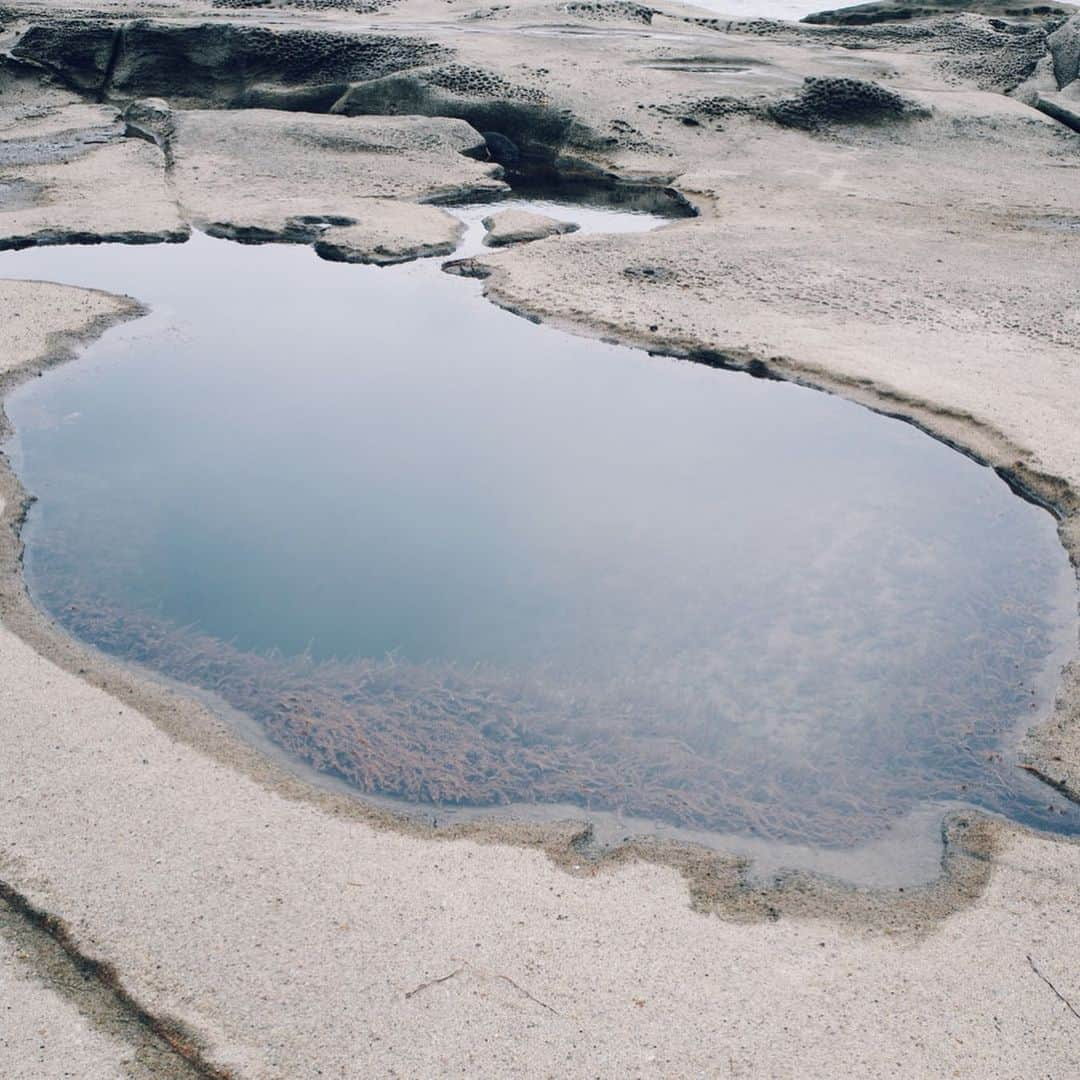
x=903, y=10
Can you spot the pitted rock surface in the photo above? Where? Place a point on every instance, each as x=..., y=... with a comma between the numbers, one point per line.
x=611, y=11
x=259, y=175
x=842, y=101
x=360, y=7
x=881, y=11
x=474, y=81
x=212, y=63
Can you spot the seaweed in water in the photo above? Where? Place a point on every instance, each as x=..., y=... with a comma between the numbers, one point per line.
x=438, y=733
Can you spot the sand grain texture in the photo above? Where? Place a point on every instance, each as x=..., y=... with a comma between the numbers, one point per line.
x=42, y=1034
x=291, y=940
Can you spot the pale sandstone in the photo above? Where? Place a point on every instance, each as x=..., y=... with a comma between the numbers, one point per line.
x=263, y=174
x=290, y=939
x=520, y=227
x=847, y=261
x=84, y=183
x=296, y=942
x=35, y=317
x=42, y=1034
x=391, y=232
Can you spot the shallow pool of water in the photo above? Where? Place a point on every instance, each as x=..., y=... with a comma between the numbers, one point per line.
x=455, y=558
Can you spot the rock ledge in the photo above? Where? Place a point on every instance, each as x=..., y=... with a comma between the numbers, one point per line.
x=519, y=227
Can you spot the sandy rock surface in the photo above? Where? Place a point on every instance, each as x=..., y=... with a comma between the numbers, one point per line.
x=855, y=268
x=519, y=227
x=297, y=943
x=42, y=1033
x=391, y=233
x=269, y=175
x=1063, y=107
x=68, y=177
x=42, y=319
x=883, y=214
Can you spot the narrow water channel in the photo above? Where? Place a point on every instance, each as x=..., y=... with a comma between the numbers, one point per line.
x=449, y=557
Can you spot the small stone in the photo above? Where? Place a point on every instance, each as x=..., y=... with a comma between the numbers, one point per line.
x=519, y=227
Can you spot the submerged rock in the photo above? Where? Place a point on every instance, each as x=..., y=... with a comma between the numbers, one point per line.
x=519, y=227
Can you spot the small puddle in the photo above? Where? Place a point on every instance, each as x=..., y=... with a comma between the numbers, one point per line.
x=603, y=213
x=464, y=562
x=699, y=65
x=699, y=69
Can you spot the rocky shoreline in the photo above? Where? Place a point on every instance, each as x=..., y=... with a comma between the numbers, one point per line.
x=888, y=211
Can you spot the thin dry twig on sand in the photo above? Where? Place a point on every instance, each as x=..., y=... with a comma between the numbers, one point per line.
x=487, y=974
x=1068, y=1004
x=432, y=982
x=506, y=979
x=521, y=990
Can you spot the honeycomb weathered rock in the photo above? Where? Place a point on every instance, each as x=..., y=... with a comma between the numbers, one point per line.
x=212, y=63
x=476, y=82
x=610, y=11
x=843, y=101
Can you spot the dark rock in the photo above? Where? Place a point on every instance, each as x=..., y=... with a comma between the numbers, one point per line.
x=150, y=119
x=501, y=149
x=538, y=131
x=212, y=63
x=232, y=65
x=610, y=11
x=468, y=268
x=880, y=11
x=79, y=53
x=469, y=81
x=658, y=274
x=842, y=101
x=1066, y=110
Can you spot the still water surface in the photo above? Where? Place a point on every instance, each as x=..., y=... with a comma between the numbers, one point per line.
x=453, y=557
